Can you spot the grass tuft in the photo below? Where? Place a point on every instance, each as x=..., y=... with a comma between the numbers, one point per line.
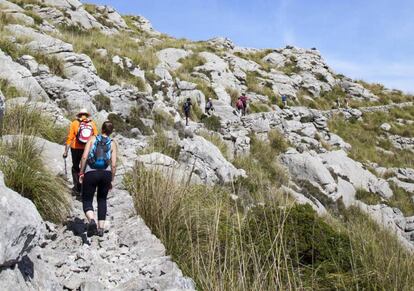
x=24, y=173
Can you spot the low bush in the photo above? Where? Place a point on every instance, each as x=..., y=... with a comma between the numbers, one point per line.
x=102, y=102
x=162, y=144
x=212, y=122
x=8, y=90
x=368, y=197
x=24, y=172
x=163, y=120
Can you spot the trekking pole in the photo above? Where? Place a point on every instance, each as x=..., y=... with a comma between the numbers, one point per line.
x=66, y=170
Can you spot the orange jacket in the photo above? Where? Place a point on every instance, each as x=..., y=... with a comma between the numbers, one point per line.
x=73, y=132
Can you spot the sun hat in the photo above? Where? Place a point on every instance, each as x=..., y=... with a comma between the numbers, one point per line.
x=83, y=111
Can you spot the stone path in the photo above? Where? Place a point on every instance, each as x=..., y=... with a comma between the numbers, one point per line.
x=128, y=257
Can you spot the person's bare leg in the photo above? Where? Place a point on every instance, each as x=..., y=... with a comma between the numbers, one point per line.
x=101, y=224
x=90, y=215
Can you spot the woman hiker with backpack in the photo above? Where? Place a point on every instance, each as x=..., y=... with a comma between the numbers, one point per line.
x=80, y=131
x=97, y=172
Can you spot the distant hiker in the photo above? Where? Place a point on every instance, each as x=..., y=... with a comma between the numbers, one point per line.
x=284, y=101
x=244, y=99
x=80, y=131
x=209, y=106
x=187, y=110
x=98, y=167
x=239, y=106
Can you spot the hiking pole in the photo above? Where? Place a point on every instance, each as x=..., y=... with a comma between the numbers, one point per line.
x=66, y=170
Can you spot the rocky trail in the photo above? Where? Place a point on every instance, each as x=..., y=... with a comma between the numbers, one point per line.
x=127, y=257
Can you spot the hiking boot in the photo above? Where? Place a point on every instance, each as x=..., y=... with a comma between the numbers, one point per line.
x=100, y=232
x=92, y=228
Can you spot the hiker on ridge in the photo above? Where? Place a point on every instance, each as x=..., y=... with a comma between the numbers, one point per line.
x=239, y=107
x=244, y=99
x=187, y=110
x=98, y=167
x=80, y=131
x=209, y=107
x=284, y=100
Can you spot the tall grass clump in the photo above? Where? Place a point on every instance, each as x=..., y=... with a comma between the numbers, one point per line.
x=24, y=173
x=26, y=120
x=367, y=139
x=225, y=246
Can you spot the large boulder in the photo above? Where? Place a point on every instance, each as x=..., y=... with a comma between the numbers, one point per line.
x=21, y=226
x=352, y=171
x=305, y=167
x=170, y=57
x=19, y=77
x=206, y=161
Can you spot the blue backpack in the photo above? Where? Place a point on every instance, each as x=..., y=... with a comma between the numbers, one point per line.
x=100, y=154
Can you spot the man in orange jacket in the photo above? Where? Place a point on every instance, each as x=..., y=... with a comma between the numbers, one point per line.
x=80, y=131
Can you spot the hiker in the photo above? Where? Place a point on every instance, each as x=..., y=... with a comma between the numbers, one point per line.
x=187, y=110
x=239, y=106
x=98, y=167
x=284, y=101
x=244, y=99
x=80, y=131
x=209, y=106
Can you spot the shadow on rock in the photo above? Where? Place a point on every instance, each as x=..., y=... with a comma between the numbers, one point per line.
x=78, y=227
x=26, y=268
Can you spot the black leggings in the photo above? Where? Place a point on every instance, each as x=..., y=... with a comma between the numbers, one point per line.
x=76, y=158
x=96, y=179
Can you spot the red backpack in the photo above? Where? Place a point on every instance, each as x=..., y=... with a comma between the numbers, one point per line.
x=85, y=131
x=239, y=104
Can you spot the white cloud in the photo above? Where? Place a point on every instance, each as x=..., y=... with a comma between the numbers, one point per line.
x=392, y=75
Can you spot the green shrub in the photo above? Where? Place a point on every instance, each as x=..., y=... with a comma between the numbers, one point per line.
x=55, y=65
x=37, y=19
x=401, y=200
x=190, y=62
x=102, y=102
x=368, y=197
x=364, y=137
x=23, y=119
x=277, y=141
x=163, y=120
x=256, y=107
x=136, y=122
x=119, y=123
x=24, y=172
x=8, y=90
x=212, y=122
x=162, y=144
x=223, y=246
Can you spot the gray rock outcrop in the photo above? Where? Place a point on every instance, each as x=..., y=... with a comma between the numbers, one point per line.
x=21, y=226
x=205, y=160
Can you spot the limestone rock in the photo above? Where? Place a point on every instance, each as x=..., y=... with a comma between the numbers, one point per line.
x=385, y=126
x=170, y=57
x=208, y=161
x=21, y=226
x=409, y=187
x=352, y=171
x=20, y=78
x=222, y=43
x=304, y=166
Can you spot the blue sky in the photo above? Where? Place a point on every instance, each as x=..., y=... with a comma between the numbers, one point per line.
x=371, y=40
